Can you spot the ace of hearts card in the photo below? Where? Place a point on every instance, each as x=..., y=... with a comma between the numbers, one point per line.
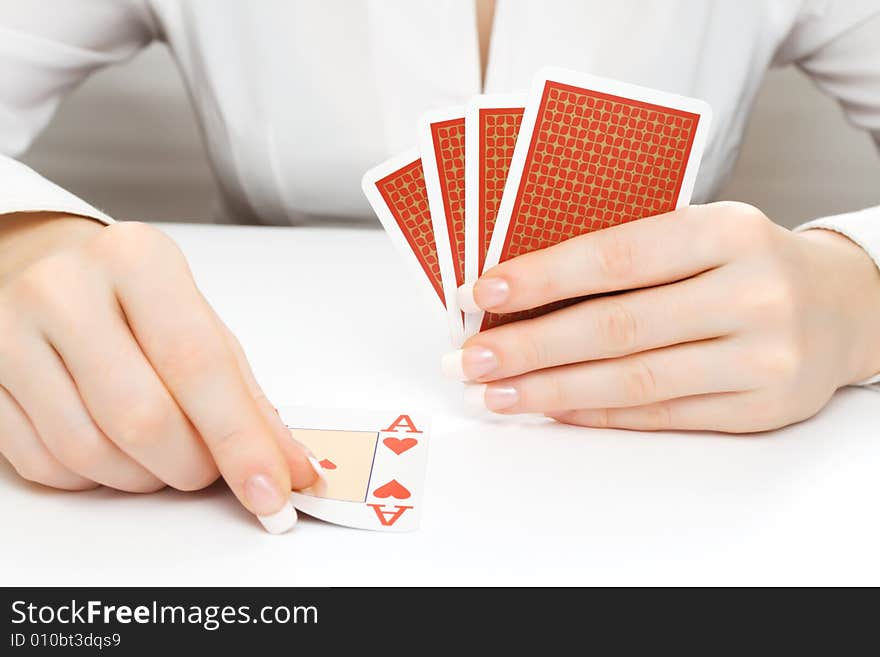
x=372, y=466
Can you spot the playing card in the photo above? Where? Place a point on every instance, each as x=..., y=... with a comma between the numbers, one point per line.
x=441, y=143
x=491, y=125
x=373, y=466
x=396, y=191
x=593, y=153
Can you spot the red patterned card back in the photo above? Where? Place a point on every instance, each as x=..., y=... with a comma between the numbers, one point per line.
x=407, y=199
x=498, y=127
x=448, y=137
x=595, y=160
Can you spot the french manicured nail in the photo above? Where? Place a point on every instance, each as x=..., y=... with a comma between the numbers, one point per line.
x=490, y=292
x=282, y=521
x=472, y=397
x=319, y=486
x=469, y=363
x=317, y=467
x=499, y=398
x=482, y=397
x=274, y=510
x=485, y=294
x=465, y=298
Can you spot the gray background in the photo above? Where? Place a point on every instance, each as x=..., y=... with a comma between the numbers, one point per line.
x=127, y=141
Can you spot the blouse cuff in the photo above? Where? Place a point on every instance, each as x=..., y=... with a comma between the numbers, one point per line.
x=24, y=190
x=863, y=228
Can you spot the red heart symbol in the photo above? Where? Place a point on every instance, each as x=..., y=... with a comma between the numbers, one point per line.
x=327, y=464
x=398, y=445
x=392, y=489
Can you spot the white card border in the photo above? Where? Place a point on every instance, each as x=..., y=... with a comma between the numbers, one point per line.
x=438, y=216
x=471, y=189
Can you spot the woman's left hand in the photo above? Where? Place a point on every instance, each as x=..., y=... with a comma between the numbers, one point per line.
x=732, y=323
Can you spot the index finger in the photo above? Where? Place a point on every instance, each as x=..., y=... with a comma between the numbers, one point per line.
x=177, y=331
x=643, y=253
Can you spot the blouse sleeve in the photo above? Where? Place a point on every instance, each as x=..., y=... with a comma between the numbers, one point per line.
x=46, y=50
x=837, y=44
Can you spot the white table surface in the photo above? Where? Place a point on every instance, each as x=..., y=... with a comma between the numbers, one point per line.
x=329, y=317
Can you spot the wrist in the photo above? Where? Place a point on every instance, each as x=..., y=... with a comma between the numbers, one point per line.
x=26, y=237
x=849, y=285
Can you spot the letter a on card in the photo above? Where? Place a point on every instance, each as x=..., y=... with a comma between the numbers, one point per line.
x=388, y=518
x=403, y=421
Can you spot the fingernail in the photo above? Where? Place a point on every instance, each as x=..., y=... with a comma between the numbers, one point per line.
x=282, y=521
x=319, y=487
x=472, y=397
x=465, y=298
x=451, y=365
x=490, y=292
x=272, y=508
x=468, y=363
x=498, y=398
x=316, y=466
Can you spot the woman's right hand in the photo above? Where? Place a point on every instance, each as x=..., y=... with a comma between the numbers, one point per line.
x=115, y=371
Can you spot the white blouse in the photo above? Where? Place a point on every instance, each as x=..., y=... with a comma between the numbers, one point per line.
x=297, y=98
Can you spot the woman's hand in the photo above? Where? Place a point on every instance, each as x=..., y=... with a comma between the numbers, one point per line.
x=114, y=370
x=734, y=324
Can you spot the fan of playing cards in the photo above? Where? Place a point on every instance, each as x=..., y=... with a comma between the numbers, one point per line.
x=509, y=174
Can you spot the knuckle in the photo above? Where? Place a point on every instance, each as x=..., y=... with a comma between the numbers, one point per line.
x=600, y=418
x=40, y=284
x=659, y=416
x=662, y=416
x=617, y=327
x=554, y=395
x=533, y=349
x=140, y=422
x=78, y=450
x=746, y=226
x=739, y=212
x=52, y=288
x=129, y=243
x=228, y=443
x=614, y=256
x=35, y=470
x=544, y=284
x=639, y=383
x=596, y=418
x=779, y=363
x=760, y=412
x=187, y=356
x=195, y=478
x=131, y=234
x=775, y=301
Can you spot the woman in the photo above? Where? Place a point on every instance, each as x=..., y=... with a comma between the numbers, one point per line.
x=116, y=372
